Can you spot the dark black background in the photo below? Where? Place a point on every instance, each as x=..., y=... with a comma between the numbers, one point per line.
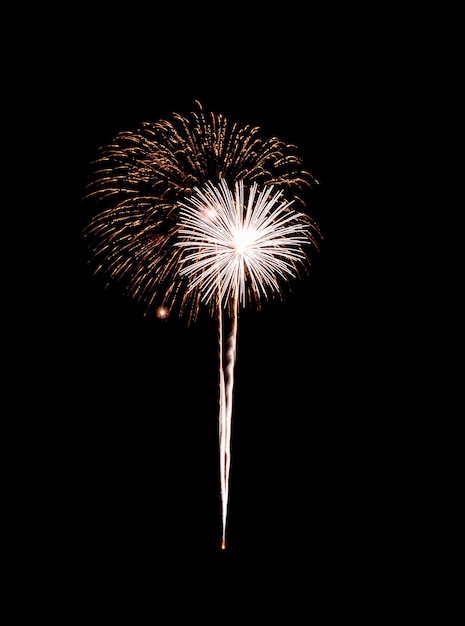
x=124, y=478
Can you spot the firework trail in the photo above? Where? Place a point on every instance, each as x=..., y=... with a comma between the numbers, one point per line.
x=197, y=212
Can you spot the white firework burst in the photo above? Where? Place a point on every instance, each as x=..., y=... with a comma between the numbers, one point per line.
x=238, y=245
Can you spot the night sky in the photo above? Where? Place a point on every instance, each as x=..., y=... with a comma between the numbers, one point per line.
x=130, y=438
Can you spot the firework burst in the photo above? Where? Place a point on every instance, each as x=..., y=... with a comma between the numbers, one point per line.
x=236, y=243
x=200, y=213
x=139, y=180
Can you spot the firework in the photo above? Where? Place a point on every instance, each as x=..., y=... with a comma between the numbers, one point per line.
x=236, y=249
x=241, y=246
x=198, y=213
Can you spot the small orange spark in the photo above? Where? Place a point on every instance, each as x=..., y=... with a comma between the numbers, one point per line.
x=162, y=312
x=223, y=545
